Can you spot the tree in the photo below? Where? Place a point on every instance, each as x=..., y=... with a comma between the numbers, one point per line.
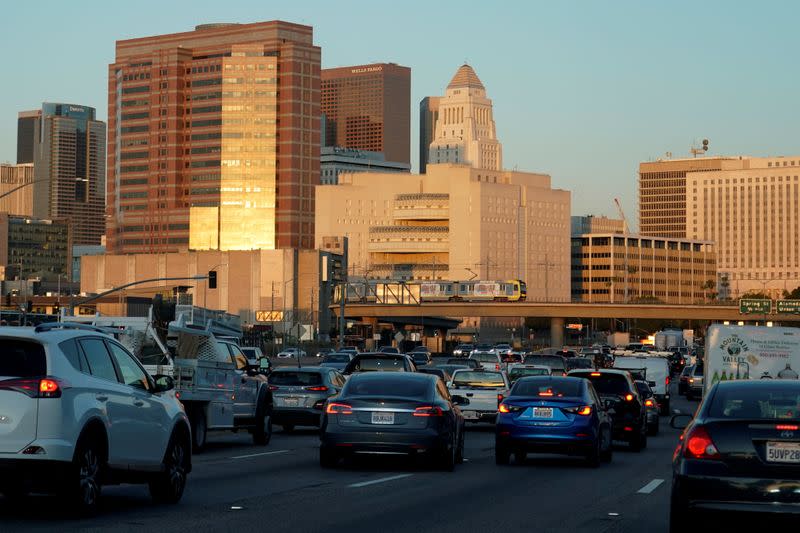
x=708, y=285
x=794, y=294
x=757, y=295
x=724, y=285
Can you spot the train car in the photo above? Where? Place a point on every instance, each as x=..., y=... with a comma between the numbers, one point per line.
x=437, y=291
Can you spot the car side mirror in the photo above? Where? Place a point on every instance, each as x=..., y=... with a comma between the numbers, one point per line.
x=680, y=421
x=459, y=400
x=163, y=383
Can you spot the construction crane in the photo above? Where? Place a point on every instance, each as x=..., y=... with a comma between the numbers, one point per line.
x=622, y=215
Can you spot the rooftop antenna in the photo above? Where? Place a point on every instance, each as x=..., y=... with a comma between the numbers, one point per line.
x=702, y=149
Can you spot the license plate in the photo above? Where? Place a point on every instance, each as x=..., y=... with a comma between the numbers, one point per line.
x=542, y=412
x=783, y=452
x=382, y=418
x=470, y=415
x=291, y=402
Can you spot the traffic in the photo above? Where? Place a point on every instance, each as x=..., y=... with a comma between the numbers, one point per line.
x=95, y=403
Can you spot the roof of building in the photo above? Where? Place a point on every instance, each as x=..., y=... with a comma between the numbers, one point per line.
x=465, y=77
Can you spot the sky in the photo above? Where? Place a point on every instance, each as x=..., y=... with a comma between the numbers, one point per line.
x=582, y=90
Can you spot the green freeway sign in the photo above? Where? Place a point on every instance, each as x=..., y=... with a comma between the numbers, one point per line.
x=788, y=307
x=753, y=306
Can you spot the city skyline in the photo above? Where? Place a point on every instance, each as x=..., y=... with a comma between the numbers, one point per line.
x=585, y=97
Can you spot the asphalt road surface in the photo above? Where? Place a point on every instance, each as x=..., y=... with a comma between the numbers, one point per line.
x=236, y=486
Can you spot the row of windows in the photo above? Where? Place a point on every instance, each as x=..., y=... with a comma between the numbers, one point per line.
x=135, y=90
x=134, y=168
x=133, y=155
x=134, y=129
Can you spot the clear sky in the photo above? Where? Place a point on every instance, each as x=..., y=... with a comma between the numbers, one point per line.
x=582, y=90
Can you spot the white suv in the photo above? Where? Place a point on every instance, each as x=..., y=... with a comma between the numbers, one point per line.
x=75, y=402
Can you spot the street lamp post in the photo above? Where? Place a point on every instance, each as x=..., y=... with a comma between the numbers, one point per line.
x=205, y=285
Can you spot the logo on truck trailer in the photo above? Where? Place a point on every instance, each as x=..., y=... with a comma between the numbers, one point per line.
x=733, y=345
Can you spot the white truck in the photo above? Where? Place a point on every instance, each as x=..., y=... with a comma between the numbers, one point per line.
x=218, y=387
x=484, y=391
x=669, y=338
x=750, y=352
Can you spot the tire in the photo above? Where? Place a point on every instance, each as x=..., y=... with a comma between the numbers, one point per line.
x=262, y=432
x=593, y=457
x=447, y=459
x=679, y=514
x=638, y=442
x=84, y=482
x=327, y=457
x=168, y=486
x=689, y=396
x=665, y=409
x=199, y=429
x=501, y=455
x=460, y=450
x=288, y=428
x=607, y=454
x=519, y=457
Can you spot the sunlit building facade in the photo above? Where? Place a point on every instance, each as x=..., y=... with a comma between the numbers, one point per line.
x=16, y=189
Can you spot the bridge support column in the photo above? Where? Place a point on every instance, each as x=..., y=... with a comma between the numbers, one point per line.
x=556, y=332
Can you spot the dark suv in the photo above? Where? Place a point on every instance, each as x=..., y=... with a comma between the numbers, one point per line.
x=380, y=362
x=626, y=406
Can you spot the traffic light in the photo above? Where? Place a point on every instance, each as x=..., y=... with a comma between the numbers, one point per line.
x=705, y=145
x=212, y=279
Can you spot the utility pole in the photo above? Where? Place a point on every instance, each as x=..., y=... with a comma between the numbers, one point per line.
x=342, y=300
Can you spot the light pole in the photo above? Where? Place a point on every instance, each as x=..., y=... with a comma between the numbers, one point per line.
x=205, y=286
x=283, y=316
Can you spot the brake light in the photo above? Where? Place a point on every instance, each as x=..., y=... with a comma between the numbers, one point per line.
x=503, y=408
x=787, y=427
x=546, y=393
x=500, y=398
x=273, y=387
x=339, y=409
x=584, y=410
x=595, y=374
x=666, y=381
x=497, y=366
x=691, y=380
x=629, y=397
x=699, y=445
x=319, y=388
x=428, y=410
x=649, y=403
x=36, y=387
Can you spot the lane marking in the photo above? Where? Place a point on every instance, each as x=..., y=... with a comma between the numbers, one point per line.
x=259, y=454
x=376, y=481
x=650, y=487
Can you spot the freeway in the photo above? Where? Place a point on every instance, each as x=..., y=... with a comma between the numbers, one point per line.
x=238, y=487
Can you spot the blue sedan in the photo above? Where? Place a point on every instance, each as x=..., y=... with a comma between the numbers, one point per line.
x=547, y=414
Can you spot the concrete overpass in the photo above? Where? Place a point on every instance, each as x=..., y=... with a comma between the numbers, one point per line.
x=558, y=312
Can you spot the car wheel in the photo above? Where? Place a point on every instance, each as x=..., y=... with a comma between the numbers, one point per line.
x=327, y=457
x=262, y=433
x=519, y=457
x=84, y=482
x=679, y=514
x=168, y=486
x=644, y=438
x=460, y=450
x=665, y=408
x=607, y=451
x=636, y=443
x=689, y=396
x=501, y=455
x=288, y=428
x=199, y=429
x=593, y=456
x=448, y=456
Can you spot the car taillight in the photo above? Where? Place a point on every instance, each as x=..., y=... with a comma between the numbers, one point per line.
x=500, y=398
x=428, y=410
x=339, y=409
x=691, y=380
x=787, y=427
x=35, y=387
x=273, y=387
x=649, y=402
x=584, y=410
x=497, y=366
x=319, y=388
x=629, y=397
x=666, y=381
x=595, y=374
x=699, y=445
x=503, y=408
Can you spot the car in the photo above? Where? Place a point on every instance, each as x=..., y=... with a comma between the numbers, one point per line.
x=420, y=349
x=655, y=371
x=695, y=387
x=388, y=349
x=651, y=405
x=617, y=390
x=299, y=394
x=516, y=372
x=564, y=352
x=80, y=411
x=546, y=414
x=348, y=349
x=488, y=360
x=501, y=349
x=443, y=374
x=337, y=360
x=291, y=353
x=579, y=362
x=555, y=362
x=512, y=356
x=452, y=368
x=740, y=452
x=391, y=413
x=463, y=350
x=483, y=388
x=677, y=361
x=683, y=380
x=379, y=362
x=439, y=359
x=420, y=358
x=253, y=354
x=469, y=363
x=322, y=352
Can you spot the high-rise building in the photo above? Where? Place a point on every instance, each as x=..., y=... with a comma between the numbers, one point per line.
x=69, y=165
x=368, y=107
x=214, y=139
x=465, y=132
x=16, y=189
x=34, y=248
x=26, y=134
x=335, y=160
x=595, y=224
x=428, y=114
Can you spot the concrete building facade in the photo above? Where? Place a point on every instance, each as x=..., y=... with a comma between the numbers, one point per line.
x=596, y=224
x=335, y=160
x=368, y=107
x=33, y=248
x=428, y=115
x=464, y=131
x=456, y=222
x=624, y=268
x=214, y=139
x=26, y=134
x=19, y=179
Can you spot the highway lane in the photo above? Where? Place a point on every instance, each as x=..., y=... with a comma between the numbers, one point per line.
x=280, y=487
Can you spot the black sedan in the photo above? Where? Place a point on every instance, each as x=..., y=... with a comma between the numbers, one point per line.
x=741, y=452
x=404, y=413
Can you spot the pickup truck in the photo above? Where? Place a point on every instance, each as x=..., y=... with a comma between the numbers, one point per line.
x=483, y=389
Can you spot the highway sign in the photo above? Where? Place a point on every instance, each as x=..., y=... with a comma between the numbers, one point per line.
x=788, y=307
x=579, y=327
x=755, y=306
x=269, y=316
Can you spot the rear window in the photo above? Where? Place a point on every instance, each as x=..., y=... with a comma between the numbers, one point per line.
x=580, y=362
x=401, y=388
x=643, y=389
x=373, y=364
x=552, y=362
x=484, y=357
x=608, y=383
x=479, y=379
x=336, y=358
x=560, y=388
x=778, y=402
x=21, y=359
x=295, y=378
x=517, y=373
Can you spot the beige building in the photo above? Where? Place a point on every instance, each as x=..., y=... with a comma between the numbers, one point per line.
x=595, y=224
x=298, y=283
x=456, y=222
x=19, y=202
x=464, y=130
x=619, y=268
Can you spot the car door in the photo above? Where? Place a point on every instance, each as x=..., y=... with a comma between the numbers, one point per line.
x=151, y=423
x=115, y=399
x=245, y=387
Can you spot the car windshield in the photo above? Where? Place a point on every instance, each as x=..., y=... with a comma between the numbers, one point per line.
x=336, y=358
x=484, y=357
x=615, y=384
x=463, y=347
x=292, y=378
x=552, y=362
x=478, y=379
x=560, y=388
x=399, y=388
x=21, y=359
x=517, y=373
x=373, y=364
x=579, y=362
x=779, y=401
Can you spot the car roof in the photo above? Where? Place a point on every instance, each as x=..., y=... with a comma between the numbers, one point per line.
x=378, y=376
x=549, y=379
x=309, y=369
x=759, y=384
x=48, y=336
x=614, y=371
